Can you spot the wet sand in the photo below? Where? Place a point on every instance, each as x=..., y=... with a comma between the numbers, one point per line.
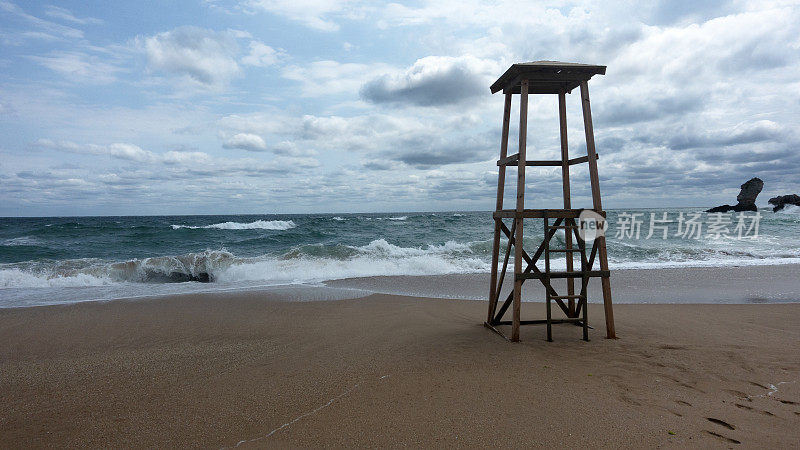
x=739, y=284
x=217, y=370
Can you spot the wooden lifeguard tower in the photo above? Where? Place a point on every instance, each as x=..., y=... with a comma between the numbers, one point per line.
x=548, y=77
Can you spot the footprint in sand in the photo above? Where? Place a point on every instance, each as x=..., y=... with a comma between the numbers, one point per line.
x=758, y=385
x=748, y=408
x=672, y=347
x=721, y=422
x=739, y=394
x=724, y=438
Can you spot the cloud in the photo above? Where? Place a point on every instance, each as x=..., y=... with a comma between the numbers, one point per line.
x=417, y=139
x=45, y=26
x=426, y=152
x=432, y=81
x=672, y=11
x=747, y=133
x=621, y=108
x=328, y=77
x=80, y=67
x=205, y=57
x=64, y=14
x=124, y=151
x=183, y=164
x=246, y=141
x=261, y=55
x=315, y=14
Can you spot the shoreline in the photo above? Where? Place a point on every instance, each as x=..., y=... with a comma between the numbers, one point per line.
x=214, y=370
x=698, y=285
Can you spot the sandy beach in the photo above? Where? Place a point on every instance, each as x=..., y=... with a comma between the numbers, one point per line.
x=247, y=369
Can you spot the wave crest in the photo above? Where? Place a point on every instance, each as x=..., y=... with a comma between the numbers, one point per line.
x=278, y=225
x=790, y=209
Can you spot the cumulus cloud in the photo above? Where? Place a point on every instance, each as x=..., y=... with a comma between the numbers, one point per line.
x=332, y=77
x=246, y=141
x=432, y=81
x=261, y=55
x=206, y=57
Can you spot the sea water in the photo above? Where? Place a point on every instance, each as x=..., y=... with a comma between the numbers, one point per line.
x=52, y=260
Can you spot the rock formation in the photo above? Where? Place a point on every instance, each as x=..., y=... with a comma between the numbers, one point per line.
x=782, y=200
x=746, y=198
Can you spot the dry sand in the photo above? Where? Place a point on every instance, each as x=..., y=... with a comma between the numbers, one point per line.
x=221, y=369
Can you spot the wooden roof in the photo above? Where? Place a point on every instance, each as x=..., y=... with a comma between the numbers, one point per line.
x=546, y=77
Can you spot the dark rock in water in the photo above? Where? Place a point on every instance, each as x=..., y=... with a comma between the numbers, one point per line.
x=178, y=277
x=746, y=198
x=782, y=200
x=202, y=277
x=723, y=208
x=750, y=191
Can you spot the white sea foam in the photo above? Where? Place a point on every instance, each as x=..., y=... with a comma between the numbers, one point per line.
x=379, y=257
x=398, y=218
x=22, y=241
x=257, y=225
x=16, y=278
x=790, y=209
x=337, y=218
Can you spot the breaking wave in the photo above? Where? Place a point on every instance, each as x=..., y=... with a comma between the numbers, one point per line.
x=308, y=263
x=257, y=225
x=790, y=209
x=93, y=272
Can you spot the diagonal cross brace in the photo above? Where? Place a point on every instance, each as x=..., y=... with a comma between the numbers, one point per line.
x=531, y=268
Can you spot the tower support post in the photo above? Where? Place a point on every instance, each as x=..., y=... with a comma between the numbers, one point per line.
x=494, y=289
x=523, y=136
x=600, y=241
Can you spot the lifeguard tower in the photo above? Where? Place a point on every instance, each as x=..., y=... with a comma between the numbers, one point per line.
x=548, y=77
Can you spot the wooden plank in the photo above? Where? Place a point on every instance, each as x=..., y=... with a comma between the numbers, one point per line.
x=513, y=161
x=489, y=326
x=581, y=159
x=499, y=284
x=541, y=321
x=508, y=160
x=501, y=183
x=576, y=274
x=510, y=298
x=562, y=125
x=544, y=87
x=546, y=279
x=523, y=135
x=509, y=235
x=540, y=213
x=595, y=182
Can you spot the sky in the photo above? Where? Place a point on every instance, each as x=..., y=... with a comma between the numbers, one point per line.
x=304, y=106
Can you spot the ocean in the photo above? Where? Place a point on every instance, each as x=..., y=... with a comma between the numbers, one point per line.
x=52, y=260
